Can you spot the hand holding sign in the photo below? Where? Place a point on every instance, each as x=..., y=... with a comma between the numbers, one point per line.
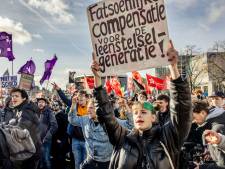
x=172, y=56
x=129, y=38
x=95, y=66
x=95, y=69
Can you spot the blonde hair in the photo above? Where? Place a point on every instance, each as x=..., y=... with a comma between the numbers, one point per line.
x=136, y=104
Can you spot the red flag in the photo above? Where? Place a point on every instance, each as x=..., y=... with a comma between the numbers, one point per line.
x=130, y=84
x=90, y=81
x=156, y=82
x=136, y=75
x=116, y=87
x=148, y=89
x=108, y=85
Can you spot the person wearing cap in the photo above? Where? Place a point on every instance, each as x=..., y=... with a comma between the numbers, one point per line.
x=217, y=99
x=49, y=127
x=147, y=146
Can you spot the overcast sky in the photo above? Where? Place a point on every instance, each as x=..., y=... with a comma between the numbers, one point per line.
x=42, y=28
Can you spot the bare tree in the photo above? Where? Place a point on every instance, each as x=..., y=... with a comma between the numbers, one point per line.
x=216, y=65
x=193, y=67
x=222, y=45
x=218, y=46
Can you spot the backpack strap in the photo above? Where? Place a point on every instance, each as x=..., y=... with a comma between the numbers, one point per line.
x=168, y=155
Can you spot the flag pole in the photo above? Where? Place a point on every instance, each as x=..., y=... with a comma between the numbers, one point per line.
x=12, y=68
x=47, y=85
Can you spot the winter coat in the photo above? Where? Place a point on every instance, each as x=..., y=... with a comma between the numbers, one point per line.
x=163, y=117
x=48, y=125
x=61, y=134
x=27, y=118
x=157, y=148
x=216, y=119
x=7, y=115
x=221, y=146
x=62, y=121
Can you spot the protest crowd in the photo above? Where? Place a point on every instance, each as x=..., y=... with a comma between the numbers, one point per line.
x=105, y=130
x=97, y=125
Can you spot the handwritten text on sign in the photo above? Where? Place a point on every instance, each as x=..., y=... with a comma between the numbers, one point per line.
x=128, y=35
x=26, y=81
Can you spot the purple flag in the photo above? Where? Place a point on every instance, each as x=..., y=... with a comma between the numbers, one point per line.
x=6, y=46
x=49, y=64
x=28, y=68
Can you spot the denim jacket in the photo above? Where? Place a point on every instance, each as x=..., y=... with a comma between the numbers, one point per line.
x=96, y=138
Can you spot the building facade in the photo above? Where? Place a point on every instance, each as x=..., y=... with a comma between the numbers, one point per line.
x=205, y=71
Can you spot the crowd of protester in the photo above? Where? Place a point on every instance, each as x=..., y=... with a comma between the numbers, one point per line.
x=101, y=131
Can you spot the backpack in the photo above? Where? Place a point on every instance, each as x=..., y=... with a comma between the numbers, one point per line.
x=20, y=143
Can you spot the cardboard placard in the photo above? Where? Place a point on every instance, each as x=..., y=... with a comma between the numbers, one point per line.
x=128, y=35
x=26, y=81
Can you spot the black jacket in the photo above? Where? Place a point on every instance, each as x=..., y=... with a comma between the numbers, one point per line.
x=28, y=119
x=7, y=115
x=62, y=120
x=48, y=124
x=158, y=146
x=163, y=117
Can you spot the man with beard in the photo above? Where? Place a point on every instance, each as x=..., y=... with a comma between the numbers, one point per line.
x=48, y=127
x=60, y=140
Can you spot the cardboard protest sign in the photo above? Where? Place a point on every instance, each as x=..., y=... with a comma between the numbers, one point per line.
x=8, y=81
x=72, y=77
x=26, y=81
x=128, y=35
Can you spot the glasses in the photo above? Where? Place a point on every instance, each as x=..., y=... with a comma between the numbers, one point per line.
x=55, y=105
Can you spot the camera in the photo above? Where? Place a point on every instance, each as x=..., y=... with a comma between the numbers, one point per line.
x=190, y=153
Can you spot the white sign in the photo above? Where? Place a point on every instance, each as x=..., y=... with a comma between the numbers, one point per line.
x=8, y=81
x=128, y=35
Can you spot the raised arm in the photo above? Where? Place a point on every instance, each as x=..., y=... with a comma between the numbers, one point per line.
x=180, y=104
x=62, y=95
x=129, y=122
x=105, y=113
x=72, y=116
